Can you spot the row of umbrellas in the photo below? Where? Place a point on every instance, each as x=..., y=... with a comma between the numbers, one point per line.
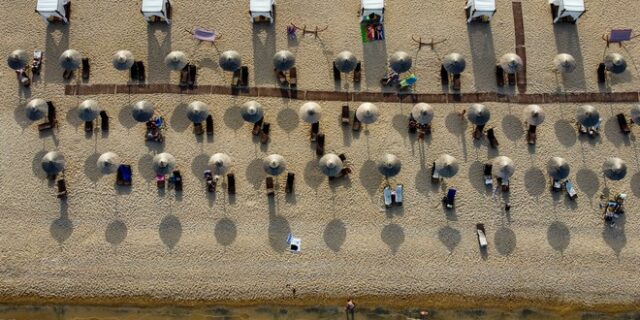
x=345, y=61
x=331, y=165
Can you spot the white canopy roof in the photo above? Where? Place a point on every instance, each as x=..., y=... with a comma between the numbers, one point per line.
x=260, y=5
x=372, y=4
x=152, y=5
x=49, y=5
x=485, y=5
x=573, y=5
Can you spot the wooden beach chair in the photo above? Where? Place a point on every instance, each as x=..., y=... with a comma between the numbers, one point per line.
x=264, y=133
x=142, y=76
x=488, y=177
x=355, y=126
x=504, y=184
x=184, y=77
x=623, y=123
x=456, y=82
x=320, y=144
x=209, y=122
x=449, y=200
x=571, y=191
x=244, y=76
x=52, y=121
x=282, y=78
x=336, y=73
x=293, y=78
x=602, y=76
x=386, y=193
x=210, y=183
x=88, y=126
x=270, y=189
x=499, y=76
x=492, y=138
x=104, y=121
x=478, y=132
x=345, y=114
x=86, y=69
x=198, y=130
x=413, y=124
x=444, y=76
x=482, y=235
x=357, y=73
x=315, y=129
x=531, y=134
x=193, y=75
x=511, y=77
x=62, y=189
x=399, y=194
x=231, y=183
x=160, y=181
x=290, y=179
x=235, y=80
x=257, y=127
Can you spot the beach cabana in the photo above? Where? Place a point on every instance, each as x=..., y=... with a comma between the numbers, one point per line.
x=566, y=10
x=372, y=11
x=54, y=10
x=262, y=10
x=480, y=10
x=156, y=10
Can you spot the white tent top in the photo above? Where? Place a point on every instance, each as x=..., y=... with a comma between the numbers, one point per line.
x=484, y=5
x=373, y=4
x=50, y=5
x=571, y=5
x=152, y=5
x=260, y=5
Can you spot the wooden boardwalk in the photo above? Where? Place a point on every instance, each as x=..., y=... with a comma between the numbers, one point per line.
x=521, y=51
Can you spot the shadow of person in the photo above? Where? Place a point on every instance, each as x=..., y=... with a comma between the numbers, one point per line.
x=116, y=232
x=614, y=236
x=505, y=241
x=393, y=236
x=558, y=236
x=170, y=230
x=278, y=231
x=335, y=234
x=225, y=232
x=449, y=237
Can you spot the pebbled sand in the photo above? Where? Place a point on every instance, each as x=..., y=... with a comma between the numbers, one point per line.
x=106, y=242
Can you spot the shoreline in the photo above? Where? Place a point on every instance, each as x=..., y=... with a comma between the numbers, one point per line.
x=434, y=301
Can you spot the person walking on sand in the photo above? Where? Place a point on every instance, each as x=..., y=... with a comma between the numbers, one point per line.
x=350, y=310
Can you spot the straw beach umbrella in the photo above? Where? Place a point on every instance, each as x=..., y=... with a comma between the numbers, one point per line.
x=400, y=61
x=175, y=60
x=70, y=59
x=18, y=59
x=503, y=167
x=534, y=114
x=346, y=61
x=478, y=114
x=615, y=63
x=36, y=109
x=108, y=162
x=251, y=111
x=197, y=111
x=422, y=113
x=283, y=60
x=88, y=110
x=142, y=111
x=614, y=168
x=163, y=163
x=123, y=60
x=454, y=63
x=635, y=113
x=220, y=162
x=367, y=113
x=587, y=115
x=446, y=166
x=53, y=162
x=274, y=164
x=389, y=165
x=310, y=112
x=230, y=61
x=511, y=63
x=564, y=63
x=558, y=168
x=330, y=164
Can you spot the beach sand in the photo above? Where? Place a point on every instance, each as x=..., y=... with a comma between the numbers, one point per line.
x=107, y=242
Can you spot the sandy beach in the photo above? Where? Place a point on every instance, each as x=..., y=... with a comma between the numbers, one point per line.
x=109, y=242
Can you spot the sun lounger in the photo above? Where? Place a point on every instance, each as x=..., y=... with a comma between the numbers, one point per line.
x=36, y=64
x=86, y=69
x=231, y=183
x=450, y=198
x=571, y=191
x=320, y=144
x=177, y=180
x=511, y=77
x=357, y=73
x=387, y=196
x=62, y=189
x=282, y=78
x=67, y=74
x=482, y=235
x=624, y=124
x=209, y=125
x=556, y=185
x=289, y=186
x=123, y=175
x=488, y=178
x=336, y=73
x=88, y=126
x=413, y=124
x=160, y=181
x=456, y=82
x=345, y=114
x=531, y=134
x=235, y=81
x=244, y=76
x=257, y=127
x=355, y=126
x=315, y=129
x=23, y=78
x=45, y=126
x=478, y=132
x=104, y=121
x=134, y=72
x=51, y=113
x=208, y=178
x=142, y=76
x=602, y=73
x=264, y=133
x=201, y=34
x=492, y=138
x=270, y=190
x=444, y=76
x=198, y=130
x=293, y=78
x=499, y=76
x=193, y=75
x=435, y=177
x=399, y=194
x=504, y=184
x=184, y=77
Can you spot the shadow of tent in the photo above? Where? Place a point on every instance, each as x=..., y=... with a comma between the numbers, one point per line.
x=56, y=42
x=449, y=237
x=158, y=46
x=534, y=181
x=588, y=181
x=565, y=132
x=512, y=127
x=505, y=241
x=278, y=231
x=568, y=41
x=335, y=234
x=614, y=236
x=393, y=236
x=225, y=231
x=374, y=62
x=61, y=228
x=288, y=119
x=116, y=232
x=170, y=230
x=264, y=48
x=558, y=236
x=483, y=55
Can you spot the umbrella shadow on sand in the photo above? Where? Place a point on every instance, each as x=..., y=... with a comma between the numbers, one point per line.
x=369, y=177
x=393, y=236
x=335, y=233
x=225, y=232
x=278, y=231
x=505, y=241
x=62, y=227
x=116, y=232
x=449, y=237
x=558, y=236
x=170, y=231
